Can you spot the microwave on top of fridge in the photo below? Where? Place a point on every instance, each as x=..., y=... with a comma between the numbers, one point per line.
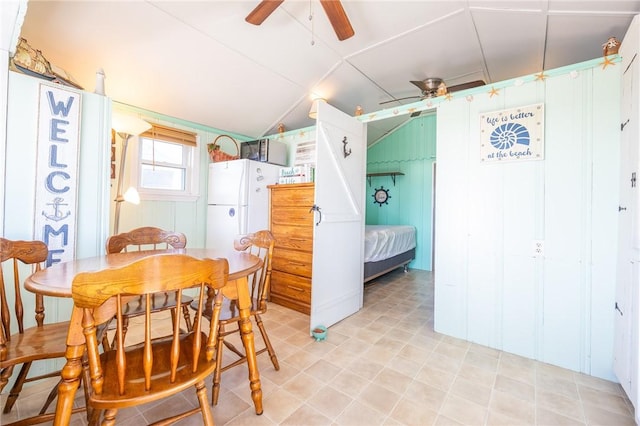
x=265, y=150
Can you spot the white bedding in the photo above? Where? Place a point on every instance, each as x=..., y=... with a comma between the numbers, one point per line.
x=385, y=241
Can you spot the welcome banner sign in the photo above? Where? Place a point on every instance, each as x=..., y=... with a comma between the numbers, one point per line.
x=57, y=171
x=513, y=134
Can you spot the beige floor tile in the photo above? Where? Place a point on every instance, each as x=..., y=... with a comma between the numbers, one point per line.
x=380, y=354
x=306, y=415
x=558, y=385
x=451, y=350
x=515, y=388
x=598, y=416
x=301, y=359
x=349, y=383
x=446, y=421
x=512, y=407
x=486, y=362
x=409, y=413
x=425, y=395
x=464, y=411
x=329, y=401
x=281, y=404
x=471, y=391
x=378, y=398
x=604, y=400
x=359, y=414
x=414, y=353
x=546, y=417
x=517, y=371
x=365, y=368
x=495, y=418
x=598, y=384
x=559, y=404
x=443, y=362
x=393, y=380
x=323, y=370
x=434, y=377
x=477, y=375
x=303, y=386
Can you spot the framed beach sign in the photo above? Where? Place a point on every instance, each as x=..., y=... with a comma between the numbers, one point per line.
x=515, y=134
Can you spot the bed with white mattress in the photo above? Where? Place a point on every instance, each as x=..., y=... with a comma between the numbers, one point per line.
x=387, y=247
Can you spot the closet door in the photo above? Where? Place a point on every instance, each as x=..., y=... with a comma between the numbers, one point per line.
x=338, y=240
x=627, y=318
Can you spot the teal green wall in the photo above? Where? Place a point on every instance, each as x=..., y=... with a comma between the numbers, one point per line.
x=411, y=149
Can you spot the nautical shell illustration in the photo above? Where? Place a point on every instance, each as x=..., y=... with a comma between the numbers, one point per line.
x=508, y=134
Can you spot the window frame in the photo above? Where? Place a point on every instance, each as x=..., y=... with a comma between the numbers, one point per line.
x=192, y=177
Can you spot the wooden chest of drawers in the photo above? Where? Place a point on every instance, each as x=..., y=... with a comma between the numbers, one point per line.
x=291, y=223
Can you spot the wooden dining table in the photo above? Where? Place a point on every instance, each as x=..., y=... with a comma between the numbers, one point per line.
x=56, y=281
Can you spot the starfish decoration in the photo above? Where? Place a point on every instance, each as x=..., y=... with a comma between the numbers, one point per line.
x=606, y=62
x=493, y=92
x=448, y=96
x=411, y=110
x=540, y=76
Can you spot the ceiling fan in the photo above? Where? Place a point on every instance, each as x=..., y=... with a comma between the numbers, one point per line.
x=433, y=87
x=333, y=8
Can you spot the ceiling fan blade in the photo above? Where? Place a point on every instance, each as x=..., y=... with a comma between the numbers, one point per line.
x=338, y=18
x=464, y=86
x=400, y=99
x=419, y=84
x=262, y=11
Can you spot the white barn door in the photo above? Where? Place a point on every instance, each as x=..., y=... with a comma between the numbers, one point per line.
x=338, y=240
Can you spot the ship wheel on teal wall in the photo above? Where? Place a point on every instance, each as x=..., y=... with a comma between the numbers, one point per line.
x=381, y=196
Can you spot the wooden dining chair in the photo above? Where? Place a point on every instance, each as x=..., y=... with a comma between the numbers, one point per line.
x=156, y=368
x=259, y=244
x=151, y=238
x=20, y=344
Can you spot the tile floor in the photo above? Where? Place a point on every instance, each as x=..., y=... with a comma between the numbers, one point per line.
x=386, y=366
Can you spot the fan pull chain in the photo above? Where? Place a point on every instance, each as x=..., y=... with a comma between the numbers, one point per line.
x=311, y=20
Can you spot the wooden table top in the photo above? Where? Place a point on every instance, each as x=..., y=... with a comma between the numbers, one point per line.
x=56, y=280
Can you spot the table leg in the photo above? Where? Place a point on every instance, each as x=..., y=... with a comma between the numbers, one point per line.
x=246, y=332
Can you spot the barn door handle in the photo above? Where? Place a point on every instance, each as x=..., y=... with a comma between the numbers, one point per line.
x=315, y=208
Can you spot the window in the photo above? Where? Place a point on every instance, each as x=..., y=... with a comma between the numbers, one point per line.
x=166, y=164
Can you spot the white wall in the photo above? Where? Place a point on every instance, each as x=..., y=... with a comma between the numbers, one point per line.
x=489, y=288
x=19, y=167
x=11, y=17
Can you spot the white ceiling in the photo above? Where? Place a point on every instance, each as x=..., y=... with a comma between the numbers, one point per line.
x=200, y=61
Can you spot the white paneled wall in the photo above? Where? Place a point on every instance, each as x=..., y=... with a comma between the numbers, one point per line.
x=19, y=168
x=490, y=288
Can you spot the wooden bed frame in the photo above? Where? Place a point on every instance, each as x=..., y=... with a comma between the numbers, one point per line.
x=375, y=269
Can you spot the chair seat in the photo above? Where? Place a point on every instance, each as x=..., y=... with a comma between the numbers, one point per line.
x=160, y=383
x=46, y=342
x=159, y=302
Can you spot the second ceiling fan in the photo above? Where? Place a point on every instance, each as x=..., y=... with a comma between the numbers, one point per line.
x=333, y=8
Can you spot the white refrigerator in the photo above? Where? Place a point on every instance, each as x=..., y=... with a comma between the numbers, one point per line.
x=238, y=200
